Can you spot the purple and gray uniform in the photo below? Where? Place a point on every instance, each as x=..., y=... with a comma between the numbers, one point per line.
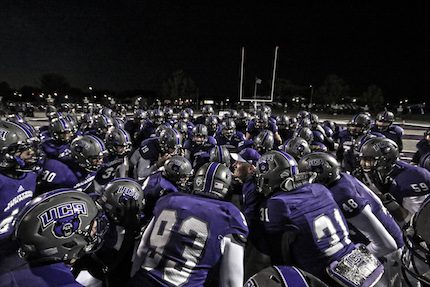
x=321, y=230
x=353, y=196
x=186, y=241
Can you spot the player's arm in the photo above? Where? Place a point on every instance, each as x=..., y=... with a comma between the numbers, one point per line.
x=248, y=136
x=231, y=269
x=381, y=242
x=140, y=252
x=278, y=138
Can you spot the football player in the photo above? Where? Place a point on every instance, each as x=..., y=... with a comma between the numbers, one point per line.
x=401, y=186
x=17, y=186
x=198, y=147
x=87, y=153
x=193, y=236
x=154, y=152
x=173, y=178
x=384, y=125
x=303, y=221
x=423, y=147
x=53, y=230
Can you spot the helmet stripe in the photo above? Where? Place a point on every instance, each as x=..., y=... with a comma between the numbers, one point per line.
x=177, y=137
x=220, y=153
x=63, y=123
x=264, y=138
x=292, y=161
x=99, y=141
x=25, y=130
x=210, y=173
x=125, y=135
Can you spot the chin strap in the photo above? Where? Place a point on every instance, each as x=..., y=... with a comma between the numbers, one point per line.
x=298, y=180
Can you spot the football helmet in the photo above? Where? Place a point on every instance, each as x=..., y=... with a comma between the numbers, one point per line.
x=297, y=147
x=184, y=116
x=261, y=120
x=170, y=140
x=16, y=118
x=116, y=193
x=212, y=124
x=323, y=164
x=267, y=110
x=283, y=122
x=305, y=123
x=182, y=128
x=178, y=170
x=427, y=135
x=88, y=152
x=140, y=115
x=384, y=120
x=228, y=128
x=118, y=142
x=50, y=112
x=168, y=113
x=305, y=133
x=207, y=111
x=61, y=130
x=220, y=154
x=302, y=115
x=107, y=112
x=19, y=147
x=359, y=124
x=314, y=120
x=378, y=156
x=103, y=125
x=425, y=161
x=273, y=168
x=212, y=180
x=190, y=112
x=60, y=225
x=118, y=122
x=158, y=117
x=264, y=141
x=283, y=276
x=415, y=263
x=200, y=134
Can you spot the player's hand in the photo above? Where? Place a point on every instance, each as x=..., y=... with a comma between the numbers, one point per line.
x=162, y=159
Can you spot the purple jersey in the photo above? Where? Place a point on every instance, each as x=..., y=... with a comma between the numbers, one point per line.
x=150, y=150
x=154, y=187
x=423, y=147
x=233, y=141
x=352, y=196
x=321, y=230
x=108, y=171
x=409, y=181
x=15, y=193
x=54, y=150
x=253, y=131
x=56, y=174
x=394, y=133
x=57, y=274
x=199, y=154
x=186, y=241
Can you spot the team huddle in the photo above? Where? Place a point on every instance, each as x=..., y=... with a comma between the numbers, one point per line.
x=243, y=199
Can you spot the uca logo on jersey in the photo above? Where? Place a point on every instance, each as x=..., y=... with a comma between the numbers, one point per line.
x=64, y=218
x=3, y=134
x=127, y=194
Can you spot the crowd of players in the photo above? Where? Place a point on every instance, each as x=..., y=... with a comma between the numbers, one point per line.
x=158, y=199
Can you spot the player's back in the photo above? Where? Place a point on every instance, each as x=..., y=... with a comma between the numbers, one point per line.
x=322, y=235
x=186, y=240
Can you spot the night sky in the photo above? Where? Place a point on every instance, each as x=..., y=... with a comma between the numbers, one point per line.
x=122, y=45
